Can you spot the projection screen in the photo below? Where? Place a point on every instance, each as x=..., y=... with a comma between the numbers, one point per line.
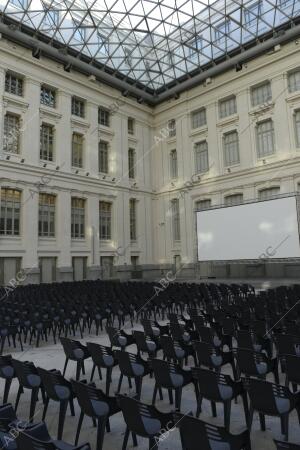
x=266, y=229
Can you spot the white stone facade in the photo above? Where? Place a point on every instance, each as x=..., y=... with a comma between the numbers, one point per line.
x=152, y=187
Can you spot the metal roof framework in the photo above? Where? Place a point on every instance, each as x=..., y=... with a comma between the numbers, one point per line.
x=151, y=49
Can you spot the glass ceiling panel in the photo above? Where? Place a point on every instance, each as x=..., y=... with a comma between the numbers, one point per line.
x=152, y=43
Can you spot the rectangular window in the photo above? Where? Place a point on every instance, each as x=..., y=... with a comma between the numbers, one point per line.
x=269, y=193
x=252, y=14
x=175, y=219
x=232, y=200
x=231, y=148
x=46, y=142
x=227, y=107
x=132, y=216
x=78, y=107
x=11, y=137
x=13, y=84
x=130, y=125
x=103, y=157
x=261, y=94
x=294, y=81
x=77, y=150
x=201, y=205
x=48, y=96
x=103, y=117
x=173, y=164
x=131, y=163
x=10, y=205
x=77, y=218
x=46, y=215
x=265, y=138
x=297, y=127
x=199, y=118
x=105, y=220
x=172, y=127
x=201, y=157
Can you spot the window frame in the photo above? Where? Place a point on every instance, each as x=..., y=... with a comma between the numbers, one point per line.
x=10, y=226
x=105, y=220
x=50, y=144
x=78, y=218
x=47, y=215
x=77, y=159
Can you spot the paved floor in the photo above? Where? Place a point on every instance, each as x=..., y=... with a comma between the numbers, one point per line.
x=51, y=356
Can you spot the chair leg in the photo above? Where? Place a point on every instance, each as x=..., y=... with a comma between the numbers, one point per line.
x=6, y=389
x=285, y=426
x=178, y=393
x=199, y=405
x=93, y=372
x=161, y=397
x=134, y=440
x=262, y=422
x=246, y=409
x=213, y=409
x=138, y=386
x=78, y=369
x=125, y=441
x=45, y=408
x=250, y=417
x=170, y=393
x=153, y=444
x=120, y=383
x=71, y=403
x=227, y=411
x=61, y=420
x=154, y=394
x=34, y=397
x=108, y=379
x=65, y=366
x=100, y=373
x=20, y=391
x=100, y=432
x=79, y=427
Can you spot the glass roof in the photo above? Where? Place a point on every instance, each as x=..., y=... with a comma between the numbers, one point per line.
x=152, y=43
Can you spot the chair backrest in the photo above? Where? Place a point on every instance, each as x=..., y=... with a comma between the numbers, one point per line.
x=269, y=398
x=130, y=364
x=287, y=344
x=102, y=356
x=196, y=434
x=250, y=362
x=73, y=349
x=171, y=348
x=56, y=386
x=7, y=415
x=139, y=417
x=207, y=354
x=26, y=373
x=244, y=339
x=212, y=385
x=91, y=400
x=292, y=367
x=166, y=373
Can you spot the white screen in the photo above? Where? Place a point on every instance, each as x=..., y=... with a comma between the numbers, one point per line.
x=267, y=229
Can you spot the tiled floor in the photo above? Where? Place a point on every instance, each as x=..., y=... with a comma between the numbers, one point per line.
x=52, y=356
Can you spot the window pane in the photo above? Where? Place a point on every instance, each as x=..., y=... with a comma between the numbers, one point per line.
x=77, y=218
x=232, y=200
x=265, y=138
x=261, y=94
x=203, y=204
x=201, y=157
x=132, y=214
x=103, y=157
x=199, y=118
x=10, y=205
x=297, y=127
x=175, y=219
x=231, y=149
x=105, y=220
x=46, y=142
x=77, y=150
x=266, y=194
x=131, y=163
x=46, y=215
x=294, y=81
x=173, y=164
x=11, y=138
x=13, y=84
x=227, y=107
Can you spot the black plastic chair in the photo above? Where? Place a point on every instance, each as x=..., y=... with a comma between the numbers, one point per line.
x=272, y=400
x=97, y=405
x=7, y=372
x=144, y=344
x=58, y=389
x=248, y=339
x=132, y=366
x=213, y=358
x=196, y=434
x=103, y=358
x=38, y=438
x=143, y=420
x=75, y=351
x=29, y=378
x=219, y=388
x=292, y=370
x=118, y=338
x=171, y=376
x=286, y=445
x=256, y=364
